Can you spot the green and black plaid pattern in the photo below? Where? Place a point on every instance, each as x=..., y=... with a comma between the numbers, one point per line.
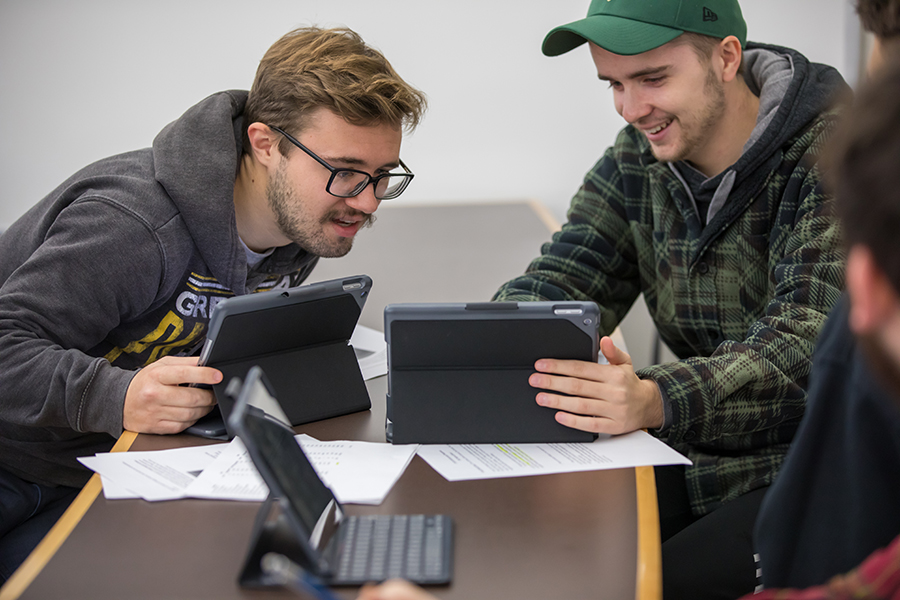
x=740, y=301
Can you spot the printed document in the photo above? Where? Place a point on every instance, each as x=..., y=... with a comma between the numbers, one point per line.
x=461, y=462
x=152, y=475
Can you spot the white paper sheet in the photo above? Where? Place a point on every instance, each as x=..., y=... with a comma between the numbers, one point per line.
x=231, y=476
x=460, y=462
x=357, y=472
x=371, y=351
x=153, y=475
x=114, y=491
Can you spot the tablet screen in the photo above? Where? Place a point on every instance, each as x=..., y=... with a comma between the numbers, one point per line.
x=284, y=466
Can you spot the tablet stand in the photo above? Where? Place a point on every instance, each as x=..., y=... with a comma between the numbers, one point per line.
x=312, y=383
x=271, y=533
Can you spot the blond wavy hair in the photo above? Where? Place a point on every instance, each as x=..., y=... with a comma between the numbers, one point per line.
x=311, y=67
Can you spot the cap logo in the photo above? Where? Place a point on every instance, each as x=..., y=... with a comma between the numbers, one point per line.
x=709, y=15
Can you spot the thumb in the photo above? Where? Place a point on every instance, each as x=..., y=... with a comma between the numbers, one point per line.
x=614, y=355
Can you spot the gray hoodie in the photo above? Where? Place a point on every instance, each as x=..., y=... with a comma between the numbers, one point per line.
x=116, y=268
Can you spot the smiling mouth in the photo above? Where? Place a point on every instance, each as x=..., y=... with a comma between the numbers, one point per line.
x=658, y=128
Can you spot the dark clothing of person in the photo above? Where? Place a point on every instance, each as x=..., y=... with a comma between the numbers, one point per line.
x=710, y=557
x=877, y=578
x=703, y=188
x=837, y=498
x=27, y=512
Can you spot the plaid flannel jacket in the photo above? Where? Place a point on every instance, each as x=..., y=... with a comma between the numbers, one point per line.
x=740, y=301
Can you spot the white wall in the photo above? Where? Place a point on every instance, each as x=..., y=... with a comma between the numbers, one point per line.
x=83, y=80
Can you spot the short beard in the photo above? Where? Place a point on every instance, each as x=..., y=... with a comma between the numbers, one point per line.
x=297, y=225
x=709, y=118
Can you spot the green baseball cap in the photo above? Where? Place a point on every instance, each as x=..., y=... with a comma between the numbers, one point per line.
x=635, y=26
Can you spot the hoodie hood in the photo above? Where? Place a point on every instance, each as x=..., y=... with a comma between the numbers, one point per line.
x=793, y=94
x=196, y=160
x=812, y=90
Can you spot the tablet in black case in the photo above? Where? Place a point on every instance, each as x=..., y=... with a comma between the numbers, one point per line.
x=458, y=373
x=300, y=337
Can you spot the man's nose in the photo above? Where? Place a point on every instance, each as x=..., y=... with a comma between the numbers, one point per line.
x=633, y=106
x=365, y=201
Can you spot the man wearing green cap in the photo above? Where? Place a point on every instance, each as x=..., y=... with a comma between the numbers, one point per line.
x=709, y=204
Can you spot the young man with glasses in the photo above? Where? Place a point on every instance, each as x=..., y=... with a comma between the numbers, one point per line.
x=119, y=268
x=710, y=204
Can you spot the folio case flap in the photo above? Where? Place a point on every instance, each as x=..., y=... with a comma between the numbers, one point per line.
x=479, y=344
x=476, y=406
x=303, y=349
x=312, y=383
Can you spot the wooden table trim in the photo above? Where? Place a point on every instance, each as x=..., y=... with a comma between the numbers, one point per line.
x=545, y=215
x=649, y=561
x=44, y=551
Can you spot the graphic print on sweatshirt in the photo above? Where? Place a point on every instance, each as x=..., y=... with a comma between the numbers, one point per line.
x=181, y=323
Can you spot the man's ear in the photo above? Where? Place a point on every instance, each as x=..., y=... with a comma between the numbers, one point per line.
x=729, y=54
x=873, y=301
x=263, y=143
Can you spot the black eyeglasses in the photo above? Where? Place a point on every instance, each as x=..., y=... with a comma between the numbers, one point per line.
x=346, y=183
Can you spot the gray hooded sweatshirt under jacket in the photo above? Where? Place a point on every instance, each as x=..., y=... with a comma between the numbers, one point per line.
x=116, y=268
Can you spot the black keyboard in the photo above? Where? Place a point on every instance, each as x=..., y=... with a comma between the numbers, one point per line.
x=378, y=547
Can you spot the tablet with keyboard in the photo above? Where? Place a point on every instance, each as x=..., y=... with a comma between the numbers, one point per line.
x=338, y=548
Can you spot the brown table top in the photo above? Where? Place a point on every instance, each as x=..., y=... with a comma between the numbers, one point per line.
x=577, y=535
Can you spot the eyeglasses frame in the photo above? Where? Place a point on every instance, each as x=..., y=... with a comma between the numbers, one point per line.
x=408, y=175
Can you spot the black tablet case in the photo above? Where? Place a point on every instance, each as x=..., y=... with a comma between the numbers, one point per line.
x=461, y=377
x=304, y=349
